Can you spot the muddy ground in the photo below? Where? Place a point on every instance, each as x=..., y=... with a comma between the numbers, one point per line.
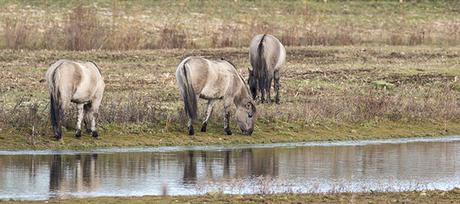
x=437, y=196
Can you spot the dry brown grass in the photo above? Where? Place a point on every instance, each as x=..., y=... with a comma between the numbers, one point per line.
x=202, y=25
x=16, y=33
x=83, y=30
x=319, y=86
x=171, y=37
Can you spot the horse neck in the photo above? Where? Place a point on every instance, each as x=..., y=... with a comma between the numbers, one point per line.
x=244, y=93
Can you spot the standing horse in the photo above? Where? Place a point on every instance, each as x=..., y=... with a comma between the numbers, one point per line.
x=214, y=80
x=77, y=82
x=267, y=55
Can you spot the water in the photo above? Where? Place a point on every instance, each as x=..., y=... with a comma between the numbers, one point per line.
x=374, y=165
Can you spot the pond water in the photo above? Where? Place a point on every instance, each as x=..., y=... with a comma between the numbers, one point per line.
x=372, y=165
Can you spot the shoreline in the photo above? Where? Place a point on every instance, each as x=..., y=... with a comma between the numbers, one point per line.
x=266, y=134
x=211, y=148
x=424, y=196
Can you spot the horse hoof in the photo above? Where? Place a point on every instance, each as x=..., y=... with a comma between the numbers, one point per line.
x=95, y=134
x=57, y=138
x=191, y=131
x=228, y=132
x=78, y=133
x=203, y=128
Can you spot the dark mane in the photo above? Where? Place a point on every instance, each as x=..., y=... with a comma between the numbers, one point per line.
x=239, y=75
x=223, y=59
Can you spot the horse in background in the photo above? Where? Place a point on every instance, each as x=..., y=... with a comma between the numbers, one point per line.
x=77, y=82
x=215, y=80
x=267, y=55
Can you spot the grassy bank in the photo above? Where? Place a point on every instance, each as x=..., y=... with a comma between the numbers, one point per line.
x=451, y=196
x=127, y=25
x=328, y=93
x=275, y=133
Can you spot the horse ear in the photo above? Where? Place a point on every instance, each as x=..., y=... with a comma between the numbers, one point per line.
x=249, y=70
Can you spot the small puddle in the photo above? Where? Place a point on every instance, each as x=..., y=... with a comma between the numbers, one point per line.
x=313, y=167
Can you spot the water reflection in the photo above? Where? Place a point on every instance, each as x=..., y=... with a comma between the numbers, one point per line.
x=259, y=170
x=75, y=174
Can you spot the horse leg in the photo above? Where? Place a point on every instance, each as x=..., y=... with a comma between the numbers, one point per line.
x=268, y=88
x=79, y=119
x=262, y=95
x=208, y=114
x=227, y=119
x=191, y=131
x=261, y=87
x=277, y=86
x=86, y=118
x=94, y=114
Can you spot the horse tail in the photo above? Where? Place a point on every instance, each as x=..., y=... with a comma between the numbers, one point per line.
x=262, y=72
x=56, y=111
x=188, y=95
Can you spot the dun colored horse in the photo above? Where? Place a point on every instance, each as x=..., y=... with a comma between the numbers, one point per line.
x=77, y=82
x=215, y=80
x=267, y=55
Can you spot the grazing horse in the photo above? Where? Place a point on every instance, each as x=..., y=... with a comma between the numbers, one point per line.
x=267, y=55
x=214, y=80
x=77, y=82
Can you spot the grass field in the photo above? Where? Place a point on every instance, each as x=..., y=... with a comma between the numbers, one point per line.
x=401, y=197
x=355, y=69
x=141, y=24
x=328, y=93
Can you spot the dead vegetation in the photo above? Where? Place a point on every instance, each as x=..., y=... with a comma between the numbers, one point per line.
x=165, y=25
x=320, y=85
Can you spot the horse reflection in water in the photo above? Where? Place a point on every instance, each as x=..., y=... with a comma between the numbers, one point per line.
x=189, y=169
x=255, y=163
x=380, y=167
x=75, y=174
x=203, y=166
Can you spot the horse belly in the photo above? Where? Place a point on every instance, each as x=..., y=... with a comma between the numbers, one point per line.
x=211, y=92
x=215, y=88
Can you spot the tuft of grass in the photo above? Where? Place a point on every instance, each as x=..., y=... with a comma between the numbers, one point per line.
x=15, y=33
x=83, y=30
x=125, y=25
x=171, y=37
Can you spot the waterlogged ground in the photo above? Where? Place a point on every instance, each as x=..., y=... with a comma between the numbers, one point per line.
x=323, y=167
x=279, y=133
x=328, y=93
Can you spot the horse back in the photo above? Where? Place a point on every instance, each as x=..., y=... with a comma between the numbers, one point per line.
x=211, y=79
x=77, y=81
x=273, y=51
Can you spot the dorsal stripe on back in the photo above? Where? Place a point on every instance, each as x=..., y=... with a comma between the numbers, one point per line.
x=237, y=73
x=98, y=69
